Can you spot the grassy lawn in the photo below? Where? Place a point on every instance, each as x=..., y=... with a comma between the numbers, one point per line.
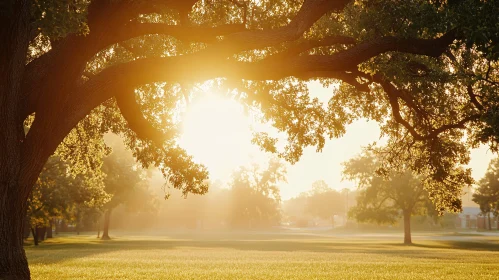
x=262, y=256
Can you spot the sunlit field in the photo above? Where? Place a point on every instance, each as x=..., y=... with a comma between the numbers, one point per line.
x=266, y=256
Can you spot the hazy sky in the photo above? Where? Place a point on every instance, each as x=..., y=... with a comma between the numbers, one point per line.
x=217, y=133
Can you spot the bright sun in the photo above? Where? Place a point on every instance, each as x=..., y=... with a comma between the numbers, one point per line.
x=217, y=133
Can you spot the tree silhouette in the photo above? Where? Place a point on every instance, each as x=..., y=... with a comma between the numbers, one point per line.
x=383, y=198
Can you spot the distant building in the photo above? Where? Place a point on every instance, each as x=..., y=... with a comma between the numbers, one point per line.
x=473, y=218
x=468, y=218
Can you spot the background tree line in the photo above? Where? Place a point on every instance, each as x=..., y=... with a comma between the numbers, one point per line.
x=67, y=196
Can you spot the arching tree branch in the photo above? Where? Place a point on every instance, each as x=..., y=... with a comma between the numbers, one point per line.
x=126, y=77
x=37, y=72
x=130, y=110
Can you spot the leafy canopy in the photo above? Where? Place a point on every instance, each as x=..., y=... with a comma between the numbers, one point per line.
x=426, y=71
x=385, y=195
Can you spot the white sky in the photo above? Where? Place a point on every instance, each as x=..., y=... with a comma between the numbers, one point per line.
x=217, y=133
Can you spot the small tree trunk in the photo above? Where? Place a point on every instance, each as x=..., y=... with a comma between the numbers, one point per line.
x=77, y=226
x=98, y=228
x=407, y=227
x=57, y=226
x=488, y=218
x=35, y=236
x=107, y=219
x=63, y=226
x=40, y=233
x=49, y=229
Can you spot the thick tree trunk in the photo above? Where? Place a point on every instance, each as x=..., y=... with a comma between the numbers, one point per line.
x=107, y=220
x=49, y=229
x=407, y=227
x=14, y=38
x=13, y=262
x=27, y=228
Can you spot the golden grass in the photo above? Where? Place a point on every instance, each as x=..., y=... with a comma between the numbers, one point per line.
x=261, y=256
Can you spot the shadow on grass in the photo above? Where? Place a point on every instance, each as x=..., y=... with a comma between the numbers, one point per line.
x=61, y=249
x=461, y=245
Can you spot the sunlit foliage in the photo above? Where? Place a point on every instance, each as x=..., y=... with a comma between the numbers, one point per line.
x=60, y=194
x=434, y=103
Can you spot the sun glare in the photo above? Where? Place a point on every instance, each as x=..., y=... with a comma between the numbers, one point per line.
x=217, y=133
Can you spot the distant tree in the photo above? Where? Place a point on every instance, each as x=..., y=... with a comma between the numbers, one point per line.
x=319, y=187
x=212, y=210
x=294, y=210
x=487, y=193
x=383, y=198
x=89, y=197
x=124, y=179
x=255, y=195
x=324, y=202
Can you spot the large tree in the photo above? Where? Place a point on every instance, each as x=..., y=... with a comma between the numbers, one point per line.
x=123, y=181
x=383, y=198
x=422, y=69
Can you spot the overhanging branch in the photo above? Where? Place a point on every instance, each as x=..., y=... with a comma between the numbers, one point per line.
x=182, y=33
x=130, y=110
x=310, y=44
x=393, y=97
x=104, y=25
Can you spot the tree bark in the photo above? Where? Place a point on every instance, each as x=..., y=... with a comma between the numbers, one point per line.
x=14, y=38
x=107, y=220
x=13, y=262
x=27, y=228
x=407, y=227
